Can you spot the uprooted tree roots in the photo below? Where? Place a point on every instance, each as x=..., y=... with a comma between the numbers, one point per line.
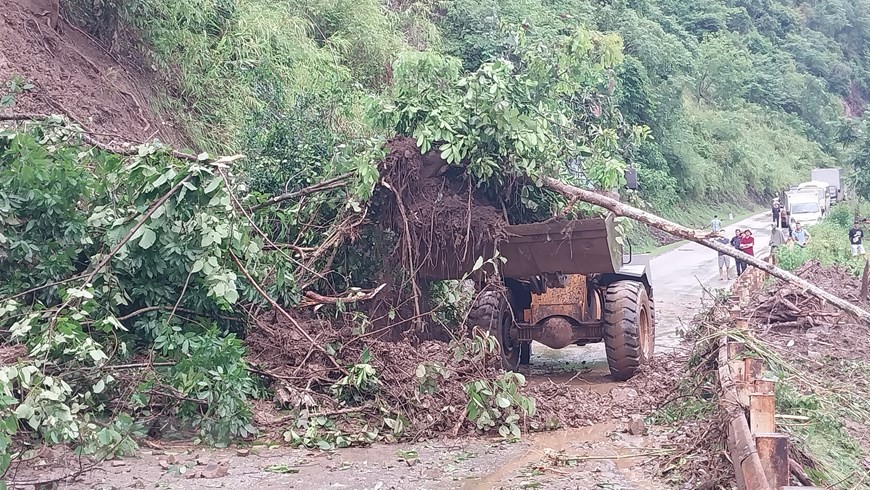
x=442, y=224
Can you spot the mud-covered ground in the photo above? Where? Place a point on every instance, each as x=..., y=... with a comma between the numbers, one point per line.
x=609, y=443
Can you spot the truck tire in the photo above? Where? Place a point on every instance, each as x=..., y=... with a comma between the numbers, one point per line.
x=629, y=328
x=491, y=312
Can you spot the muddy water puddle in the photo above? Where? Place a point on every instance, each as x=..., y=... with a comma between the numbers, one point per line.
x=600, y=456
x=578, y=366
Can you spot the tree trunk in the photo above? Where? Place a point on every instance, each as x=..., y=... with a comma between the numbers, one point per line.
x=675, y=229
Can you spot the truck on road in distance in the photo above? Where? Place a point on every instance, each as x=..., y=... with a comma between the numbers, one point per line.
x=803, y=206
x=833, y=178
x=821, y=190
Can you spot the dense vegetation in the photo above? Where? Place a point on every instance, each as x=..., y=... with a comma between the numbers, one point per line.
x=741, y=97
x=710, y=101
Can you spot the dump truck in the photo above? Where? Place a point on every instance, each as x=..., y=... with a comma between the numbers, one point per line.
x=570, y=283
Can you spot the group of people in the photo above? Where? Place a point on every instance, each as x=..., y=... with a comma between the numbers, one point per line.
x=743, y=241
x=800, y=236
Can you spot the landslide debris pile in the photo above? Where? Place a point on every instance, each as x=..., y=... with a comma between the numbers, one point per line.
x=67, y=72
x=426, y=385
x=784, y=305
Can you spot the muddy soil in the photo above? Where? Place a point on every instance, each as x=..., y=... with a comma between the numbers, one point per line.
x=603, y=456
x=73, y=75
x=443, y=223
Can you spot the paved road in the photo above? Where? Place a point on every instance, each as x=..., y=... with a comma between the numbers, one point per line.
x=678, y=275
x=677, y=279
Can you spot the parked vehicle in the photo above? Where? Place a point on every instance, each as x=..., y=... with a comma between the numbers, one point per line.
x=803, y=206
x=821, y=190
x=832, y=177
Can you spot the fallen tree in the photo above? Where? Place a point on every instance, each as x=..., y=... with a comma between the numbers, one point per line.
x=620, y=209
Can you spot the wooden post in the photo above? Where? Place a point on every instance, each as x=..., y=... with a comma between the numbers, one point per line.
x=764, y=385
x=762, y=413
x=773, y=451
x=735, y=348
x=754, y=368
x=744, y=456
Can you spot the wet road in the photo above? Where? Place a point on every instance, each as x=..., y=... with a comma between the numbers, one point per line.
x=677, y=277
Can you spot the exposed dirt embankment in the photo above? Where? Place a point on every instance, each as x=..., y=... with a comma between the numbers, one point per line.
x=72, y=74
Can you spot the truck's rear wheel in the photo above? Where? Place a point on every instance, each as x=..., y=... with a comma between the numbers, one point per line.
x=491, y=312
x=629, y=328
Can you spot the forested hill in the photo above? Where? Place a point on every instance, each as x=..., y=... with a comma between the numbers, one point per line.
x=741, y=96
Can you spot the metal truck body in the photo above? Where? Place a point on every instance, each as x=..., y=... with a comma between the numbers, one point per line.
x=832, y=177
x=570, y=283
x=803, y=206
x=821, y=190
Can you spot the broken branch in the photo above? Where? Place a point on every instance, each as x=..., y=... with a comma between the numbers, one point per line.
x=333, y=183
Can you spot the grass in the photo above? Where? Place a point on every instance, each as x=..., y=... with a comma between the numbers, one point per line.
x=817, y=390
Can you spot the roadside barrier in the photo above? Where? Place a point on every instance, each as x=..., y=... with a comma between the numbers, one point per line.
x=759, y=453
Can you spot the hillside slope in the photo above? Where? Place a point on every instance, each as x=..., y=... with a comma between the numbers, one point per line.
x=69, y=73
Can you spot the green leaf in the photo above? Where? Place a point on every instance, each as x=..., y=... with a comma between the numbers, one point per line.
x=148, y=238
x=24, y=411
x=477, y=264
x=281, y=468
x=214, y=184
x=197, y=266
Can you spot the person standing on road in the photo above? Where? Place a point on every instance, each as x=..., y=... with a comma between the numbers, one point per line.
x=777, y=239
x=747, y=245
x=776, y=209
x=735, y=242
x=800, y=235
x=724, y=263
x=856, y=237
x=716, y=224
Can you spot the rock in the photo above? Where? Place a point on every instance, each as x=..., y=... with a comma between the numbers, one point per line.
x=636, y=425
x=243, y=452
x=163, y=464
x=192, y=473
x=117, y=462
x=814, y=355
x=215, y=470
x=172, y=459
x=203, y=461
x=622, y=395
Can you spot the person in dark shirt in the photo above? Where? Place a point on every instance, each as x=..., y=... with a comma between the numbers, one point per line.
x=735, y=242
x=776, y=209
x=856, y=239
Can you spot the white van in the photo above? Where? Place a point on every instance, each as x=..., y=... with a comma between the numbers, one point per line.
x=804, y=208
x=821, y=188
